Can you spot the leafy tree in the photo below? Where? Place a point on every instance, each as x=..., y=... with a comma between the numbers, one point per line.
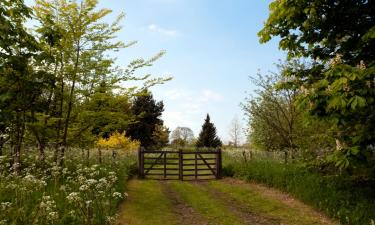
x=147, y=112
x=338, y=86
x=277, y=124
x=21, y=85
x=207, y=137
x=105, y=112
x=182, y=136
x=160, y=136
x=77, y=40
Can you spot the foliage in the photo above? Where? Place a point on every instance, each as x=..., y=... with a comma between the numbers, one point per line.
x=338, y=86
x=160, y=136
x=275, y=123
x=106, y=112
x=350, y=201
x=60, y=85
x=147, y=112
x=17, y=78
x=207, y=137
x=182, y=136
x=82, y=192
x=118, y=141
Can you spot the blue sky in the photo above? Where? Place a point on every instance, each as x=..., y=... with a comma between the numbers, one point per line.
x=212, y=48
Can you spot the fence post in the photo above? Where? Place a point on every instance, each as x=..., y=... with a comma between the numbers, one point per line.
x=196, y=166
x=180, y=165
x=140, y=163
x=165, y=165
x=218, y=164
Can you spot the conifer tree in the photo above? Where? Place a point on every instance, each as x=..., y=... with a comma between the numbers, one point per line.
x=208, y=137
x=147, y=112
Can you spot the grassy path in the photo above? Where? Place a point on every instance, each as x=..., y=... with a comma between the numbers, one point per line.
x=220, y=202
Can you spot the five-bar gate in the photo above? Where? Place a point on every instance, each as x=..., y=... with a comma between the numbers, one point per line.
x=179, y=165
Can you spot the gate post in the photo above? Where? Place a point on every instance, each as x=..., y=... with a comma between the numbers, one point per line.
x=140, y=163
x=218, y=164
x=180, y=165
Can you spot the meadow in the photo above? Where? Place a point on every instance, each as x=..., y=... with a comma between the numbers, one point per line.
x=341, y=196
x=83, y=191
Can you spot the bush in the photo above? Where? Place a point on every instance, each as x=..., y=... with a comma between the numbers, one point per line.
x=339, y=196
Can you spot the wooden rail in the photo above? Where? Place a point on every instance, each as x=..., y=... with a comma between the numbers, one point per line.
x=179, y=165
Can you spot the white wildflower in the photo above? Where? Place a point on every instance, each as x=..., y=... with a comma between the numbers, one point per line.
x=52, y=216
x=73, y=197
x=117, y=195
x=5, y=205
x=84, y=187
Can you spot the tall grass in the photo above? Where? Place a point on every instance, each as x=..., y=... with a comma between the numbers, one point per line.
x=81, y=192
x=339, y=196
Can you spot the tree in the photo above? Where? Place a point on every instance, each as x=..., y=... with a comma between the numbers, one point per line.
x=160, y=137
x=235, y=131
x=147, y=112
x=207, y=137
x=182, y=136
x=78, y=41
x=338, y=86
x=21, y=83
x=275, y=123
x=273, y=115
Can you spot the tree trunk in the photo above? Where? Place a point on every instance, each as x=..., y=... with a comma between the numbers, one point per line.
x=70, y=105
x=60, y=112
x=2, y=142
x=18, y=141
x=88, y=156
x=100, y=155
x=285, y=157
x=42, y=154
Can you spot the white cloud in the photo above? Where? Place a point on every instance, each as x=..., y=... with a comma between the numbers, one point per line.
x=208, y=95
x=187, y=96
x=166, y=32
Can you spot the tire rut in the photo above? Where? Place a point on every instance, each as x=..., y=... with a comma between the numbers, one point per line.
x=187, y=215
x=237, y=208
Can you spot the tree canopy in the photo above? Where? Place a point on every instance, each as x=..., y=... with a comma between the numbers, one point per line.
x=337, y=84
x=147, y=112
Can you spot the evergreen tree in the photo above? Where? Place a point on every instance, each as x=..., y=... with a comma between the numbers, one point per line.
x=207, y=137
x=147, y=112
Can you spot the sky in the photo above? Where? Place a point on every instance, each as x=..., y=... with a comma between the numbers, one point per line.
x=211, y=48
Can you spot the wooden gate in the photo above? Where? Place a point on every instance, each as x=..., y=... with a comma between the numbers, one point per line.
x=179, y=165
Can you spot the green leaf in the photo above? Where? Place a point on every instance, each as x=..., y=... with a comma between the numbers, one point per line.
x=357, y=101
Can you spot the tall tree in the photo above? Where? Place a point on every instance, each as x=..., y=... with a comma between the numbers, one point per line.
x=21, y=85
x=207, y=137
x=275, y=123
x=148, y=113
x=339, y=38
x=78, y=40
x=235, y=131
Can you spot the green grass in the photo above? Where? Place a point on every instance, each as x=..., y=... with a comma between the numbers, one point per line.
x=147, y=205
x=151, y=202
x=265, y=206
x=338, y=196
x=211, y=208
